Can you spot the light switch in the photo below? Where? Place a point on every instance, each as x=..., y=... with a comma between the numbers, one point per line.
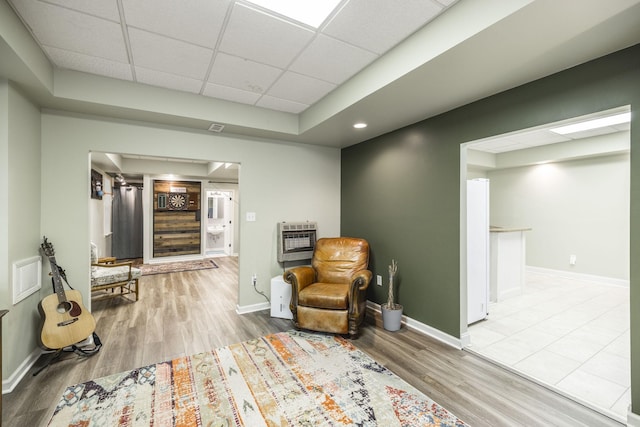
x=251, y=216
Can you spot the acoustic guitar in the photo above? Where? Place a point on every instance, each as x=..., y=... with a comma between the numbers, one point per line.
x=65, y=320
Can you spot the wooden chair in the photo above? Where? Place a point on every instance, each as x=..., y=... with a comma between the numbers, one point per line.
x=106, y=274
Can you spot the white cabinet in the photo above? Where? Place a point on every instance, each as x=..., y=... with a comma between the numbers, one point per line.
x=280, y=298
x=507, y=262
x=477, y=249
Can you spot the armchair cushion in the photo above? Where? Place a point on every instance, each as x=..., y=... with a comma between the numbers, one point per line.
x=334, y=296
x=104, y=275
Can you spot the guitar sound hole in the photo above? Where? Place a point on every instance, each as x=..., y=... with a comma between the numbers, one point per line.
x=64, y=307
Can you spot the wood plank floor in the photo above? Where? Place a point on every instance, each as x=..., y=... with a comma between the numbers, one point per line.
x=190, y=312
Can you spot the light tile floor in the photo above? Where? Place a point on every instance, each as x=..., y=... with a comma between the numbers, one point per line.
x=567, y=333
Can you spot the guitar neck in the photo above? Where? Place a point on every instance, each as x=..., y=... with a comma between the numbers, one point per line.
x=57, y=280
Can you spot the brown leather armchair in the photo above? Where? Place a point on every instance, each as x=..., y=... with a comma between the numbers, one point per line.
x=330, y=296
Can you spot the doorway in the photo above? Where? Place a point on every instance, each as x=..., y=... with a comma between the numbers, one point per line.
x=571, y=319
x=127, y=222
x=219, y=223
x=125, y=169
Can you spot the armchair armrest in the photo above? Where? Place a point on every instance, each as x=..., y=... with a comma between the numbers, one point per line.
x=359, y=283
x=361, y=279
x=299, y=277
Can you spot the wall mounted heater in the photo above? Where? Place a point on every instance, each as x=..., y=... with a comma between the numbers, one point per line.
x=296, y=240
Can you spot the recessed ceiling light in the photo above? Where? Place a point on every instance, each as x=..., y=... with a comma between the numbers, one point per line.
x=593, y=124
x=360, y=125
x=310, y=12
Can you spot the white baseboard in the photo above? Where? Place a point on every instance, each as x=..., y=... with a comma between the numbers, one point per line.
x=633, y=420
x=423, y=328
x=244, y=309
x=579, y=276
x=10, y=383
x=465, y=339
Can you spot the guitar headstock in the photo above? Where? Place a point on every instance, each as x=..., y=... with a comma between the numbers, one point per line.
x=47, y=247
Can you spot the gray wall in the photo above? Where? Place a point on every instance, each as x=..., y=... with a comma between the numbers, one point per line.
x=578, y=207
x=58, y=205
x=401, y=190
x=20, y=235
x=267, y=188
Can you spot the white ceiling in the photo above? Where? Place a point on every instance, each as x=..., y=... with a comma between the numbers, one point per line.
x=231, y=50
x=391, y=63
x=539, y=136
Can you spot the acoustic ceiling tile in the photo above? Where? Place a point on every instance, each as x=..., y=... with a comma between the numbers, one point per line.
x=301, y=89
x=243, y=74
x=168, y=55
x=166, y=80
x=230, y=94
x=194, y=21
x=67, y=29
x=260, y=37
x=537, y=137
x=378, y=25
x=331, y=60
x=89, y=64
x=278, y=104
x=102, y=9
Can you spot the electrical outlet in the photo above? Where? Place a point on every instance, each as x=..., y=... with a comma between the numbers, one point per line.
x=379, y=280
x=572, y=260
x=254, y=279
x=251, y=216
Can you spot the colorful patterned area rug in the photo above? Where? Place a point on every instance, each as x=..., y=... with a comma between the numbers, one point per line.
x=175, y=267
x=285, y=379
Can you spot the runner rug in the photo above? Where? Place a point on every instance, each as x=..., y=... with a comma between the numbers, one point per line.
x=285, y=379
x=175, y=267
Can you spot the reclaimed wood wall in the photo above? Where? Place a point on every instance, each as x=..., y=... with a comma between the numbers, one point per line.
x=176, y=231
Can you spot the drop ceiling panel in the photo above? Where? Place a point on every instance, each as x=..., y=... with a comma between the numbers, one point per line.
x=378, y=25
x=538, y=137
x=592, y=132
x=544, y=135
x=168, y=55
x=89, y=64
x=332, y=60
x=102, y=9
x=172, y=44
x=299, y=88
x=254, y=35
x=230, y=94
x=178, y=47
x=239, y=73
x=274, y=103
x=74, y=31
x=166, y=80
x=168, y=17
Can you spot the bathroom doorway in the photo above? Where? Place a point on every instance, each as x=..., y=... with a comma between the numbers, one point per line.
x=219, y=223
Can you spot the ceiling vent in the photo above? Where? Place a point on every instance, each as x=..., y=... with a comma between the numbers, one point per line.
x=216, y=127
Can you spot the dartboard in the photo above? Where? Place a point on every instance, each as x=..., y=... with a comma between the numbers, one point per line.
x=177, y=201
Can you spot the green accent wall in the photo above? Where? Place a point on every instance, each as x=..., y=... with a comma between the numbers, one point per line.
x=401, y=190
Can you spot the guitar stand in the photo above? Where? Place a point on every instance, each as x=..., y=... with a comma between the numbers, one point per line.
x=51, y=360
